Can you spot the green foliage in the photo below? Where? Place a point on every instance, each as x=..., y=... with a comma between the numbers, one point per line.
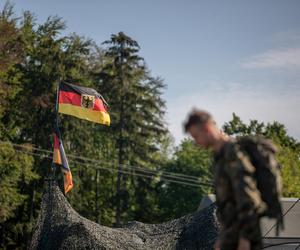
x=289, y=159
x=11, y=53
x=16, y=171
x=137, y=108
x=39, y=57
x=137, y=112
x=177, y=200
x=15, y=168
x=33, y=59
x=15, y=175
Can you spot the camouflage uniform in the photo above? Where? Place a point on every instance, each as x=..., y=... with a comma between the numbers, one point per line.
x=238, y=199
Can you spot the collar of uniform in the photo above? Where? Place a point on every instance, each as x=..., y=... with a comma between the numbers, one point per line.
x=219, y=154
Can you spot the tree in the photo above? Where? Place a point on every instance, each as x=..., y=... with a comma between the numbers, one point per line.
x=177, y=200
x=11, y=54
x=136, y=109
x=33, y=59
x=15, y=167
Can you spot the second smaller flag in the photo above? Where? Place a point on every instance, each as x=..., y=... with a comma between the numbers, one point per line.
x=59, y=158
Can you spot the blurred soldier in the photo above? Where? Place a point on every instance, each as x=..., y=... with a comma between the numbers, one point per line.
x=239, y=202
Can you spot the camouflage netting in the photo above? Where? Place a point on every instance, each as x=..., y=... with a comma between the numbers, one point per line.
x=59, y=226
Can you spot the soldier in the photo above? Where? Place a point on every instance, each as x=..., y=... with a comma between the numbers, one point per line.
x=238, y=199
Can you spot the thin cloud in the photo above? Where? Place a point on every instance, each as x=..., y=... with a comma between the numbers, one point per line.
x=287, y=37
x=288, y=58
x=261, y=104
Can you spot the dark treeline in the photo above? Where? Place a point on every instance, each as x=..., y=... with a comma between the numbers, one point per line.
x=33, y=59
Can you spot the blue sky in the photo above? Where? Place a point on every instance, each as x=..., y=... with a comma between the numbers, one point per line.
x=222, y=56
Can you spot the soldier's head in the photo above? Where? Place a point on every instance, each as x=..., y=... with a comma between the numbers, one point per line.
x=202, y=127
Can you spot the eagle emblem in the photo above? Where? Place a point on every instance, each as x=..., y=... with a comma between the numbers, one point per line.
x=87, y=101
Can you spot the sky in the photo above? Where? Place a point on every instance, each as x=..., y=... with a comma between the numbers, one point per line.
x=220, y=56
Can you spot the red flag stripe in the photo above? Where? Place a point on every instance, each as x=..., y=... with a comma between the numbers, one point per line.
x=75, y=99
x=56, y=141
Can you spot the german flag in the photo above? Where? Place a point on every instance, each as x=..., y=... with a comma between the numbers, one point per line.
x=84, y=103
x=59, y=157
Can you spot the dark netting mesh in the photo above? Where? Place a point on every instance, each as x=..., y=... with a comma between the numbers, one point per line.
x=59, y=226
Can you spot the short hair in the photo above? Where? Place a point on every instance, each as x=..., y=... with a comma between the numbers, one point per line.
x=197, y=117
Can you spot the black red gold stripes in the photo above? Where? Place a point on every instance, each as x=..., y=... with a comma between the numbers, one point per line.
x=81, y=102
x=59, y=157
x=84, y=103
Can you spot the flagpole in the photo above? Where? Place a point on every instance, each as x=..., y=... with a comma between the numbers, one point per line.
x=56, y=122
x=56, y=104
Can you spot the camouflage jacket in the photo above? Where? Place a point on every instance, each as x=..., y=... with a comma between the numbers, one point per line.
x=238, y=199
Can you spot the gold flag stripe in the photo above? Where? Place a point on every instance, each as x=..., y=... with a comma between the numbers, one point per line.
x=56, y=156
x=86, y=114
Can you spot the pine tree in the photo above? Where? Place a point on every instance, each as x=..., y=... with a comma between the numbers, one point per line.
x=137, y=109
x=15, y=167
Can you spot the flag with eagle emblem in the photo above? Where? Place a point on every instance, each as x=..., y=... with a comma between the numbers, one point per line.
x=82, y=102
